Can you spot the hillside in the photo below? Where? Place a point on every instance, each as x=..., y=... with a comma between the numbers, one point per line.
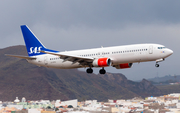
x=19, y=78
x=168, y=89
x=143, y=88
x=165, y=79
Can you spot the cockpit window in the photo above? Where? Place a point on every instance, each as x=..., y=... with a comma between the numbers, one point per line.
x=161, y=47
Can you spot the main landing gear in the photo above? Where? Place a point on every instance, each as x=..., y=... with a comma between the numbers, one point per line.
x=89, y=70
x=101, y=71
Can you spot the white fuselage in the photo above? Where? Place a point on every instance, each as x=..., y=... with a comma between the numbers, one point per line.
x=117, y=54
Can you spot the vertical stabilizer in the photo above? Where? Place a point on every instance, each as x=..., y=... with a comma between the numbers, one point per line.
x=33, y=45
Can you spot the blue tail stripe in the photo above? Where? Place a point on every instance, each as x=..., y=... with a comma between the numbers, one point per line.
x=33, y=45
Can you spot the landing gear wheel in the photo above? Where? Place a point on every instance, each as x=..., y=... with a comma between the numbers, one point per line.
x=157, y=65
x=102, y=71
x=89, y=70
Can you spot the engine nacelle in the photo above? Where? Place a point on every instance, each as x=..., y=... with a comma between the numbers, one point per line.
x=124, y=66
x=102, y=62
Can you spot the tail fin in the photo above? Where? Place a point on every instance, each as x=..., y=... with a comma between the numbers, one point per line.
x=33, y=45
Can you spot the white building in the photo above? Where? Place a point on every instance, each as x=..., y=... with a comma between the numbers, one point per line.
x=64, y=103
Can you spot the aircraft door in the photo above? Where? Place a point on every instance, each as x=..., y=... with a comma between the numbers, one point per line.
x=46, y=60
x=150, y=49
x=99, y=54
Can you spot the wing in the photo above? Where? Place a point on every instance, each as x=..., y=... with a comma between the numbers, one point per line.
x=74, y=59
x=23, y=57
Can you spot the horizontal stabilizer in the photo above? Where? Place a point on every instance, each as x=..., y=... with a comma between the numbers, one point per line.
x=23, y=57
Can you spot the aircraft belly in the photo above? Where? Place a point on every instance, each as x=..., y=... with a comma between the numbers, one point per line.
x=69, y=65
x=55, y=64
x=63, y=65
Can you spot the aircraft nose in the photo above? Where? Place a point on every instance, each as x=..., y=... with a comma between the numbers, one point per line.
x=170, y=52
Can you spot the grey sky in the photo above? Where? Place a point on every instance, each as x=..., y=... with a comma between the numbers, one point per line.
x=81, y=24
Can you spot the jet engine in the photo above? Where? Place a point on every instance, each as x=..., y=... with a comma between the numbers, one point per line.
x=102, y=62
x=123, y=66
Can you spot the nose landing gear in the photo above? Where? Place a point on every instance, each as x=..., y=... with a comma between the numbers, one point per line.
x=157, y=65
x=159, y=60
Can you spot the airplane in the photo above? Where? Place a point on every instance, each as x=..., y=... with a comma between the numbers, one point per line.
x=120, y=57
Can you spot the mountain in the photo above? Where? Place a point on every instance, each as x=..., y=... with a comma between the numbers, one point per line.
x=143, y=88
x=17, y=50
x=20, y=79
x=165, y=79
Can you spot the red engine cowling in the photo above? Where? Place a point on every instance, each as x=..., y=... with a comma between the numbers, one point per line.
x=124, y=66
x=102, y=62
